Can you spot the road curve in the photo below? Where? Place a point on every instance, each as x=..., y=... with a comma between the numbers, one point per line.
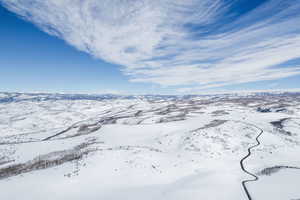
x=255, y=178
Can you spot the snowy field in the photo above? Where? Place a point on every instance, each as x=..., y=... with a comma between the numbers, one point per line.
x=58, y=147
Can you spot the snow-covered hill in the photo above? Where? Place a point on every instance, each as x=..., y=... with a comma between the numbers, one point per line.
x=55, y=146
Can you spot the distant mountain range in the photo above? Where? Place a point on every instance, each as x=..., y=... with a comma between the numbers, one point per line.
x=6, y=97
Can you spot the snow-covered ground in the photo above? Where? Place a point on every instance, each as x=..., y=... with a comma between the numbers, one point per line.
x=149, y=147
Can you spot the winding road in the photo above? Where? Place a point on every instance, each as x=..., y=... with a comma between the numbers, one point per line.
x=255, y=178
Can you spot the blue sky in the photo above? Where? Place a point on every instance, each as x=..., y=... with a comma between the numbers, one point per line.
x=33, y=61
x=138, y=47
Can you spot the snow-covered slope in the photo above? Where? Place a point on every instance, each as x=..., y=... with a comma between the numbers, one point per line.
x=149, y=147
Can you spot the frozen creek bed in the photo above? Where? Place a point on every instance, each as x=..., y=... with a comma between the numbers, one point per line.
x=149, y=147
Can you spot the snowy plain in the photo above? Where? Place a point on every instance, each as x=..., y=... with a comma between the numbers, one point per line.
x=149, y=147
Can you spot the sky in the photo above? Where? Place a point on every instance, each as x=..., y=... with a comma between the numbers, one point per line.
x=149, y=46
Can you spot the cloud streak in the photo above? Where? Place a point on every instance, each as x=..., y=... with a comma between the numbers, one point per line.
x=191, y=44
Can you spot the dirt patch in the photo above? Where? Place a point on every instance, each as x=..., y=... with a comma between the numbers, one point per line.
x=212, y=124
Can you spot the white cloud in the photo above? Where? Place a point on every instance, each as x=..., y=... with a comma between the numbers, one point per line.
x=151, y=39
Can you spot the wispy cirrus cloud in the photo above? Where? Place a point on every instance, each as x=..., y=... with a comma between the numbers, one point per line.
x=191, y=44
